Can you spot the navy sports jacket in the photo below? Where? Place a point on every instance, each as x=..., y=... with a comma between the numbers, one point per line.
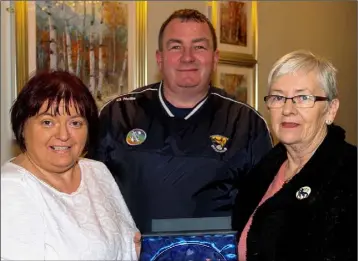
x=169, y=167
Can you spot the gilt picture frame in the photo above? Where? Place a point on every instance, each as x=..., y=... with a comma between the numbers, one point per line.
x=238, y=81
x=235, y=23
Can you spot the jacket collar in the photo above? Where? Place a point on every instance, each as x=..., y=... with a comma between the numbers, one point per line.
x=169, y=112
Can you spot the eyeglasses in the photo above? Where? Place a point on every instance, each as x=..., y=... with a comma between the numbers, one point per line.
x=300, y=101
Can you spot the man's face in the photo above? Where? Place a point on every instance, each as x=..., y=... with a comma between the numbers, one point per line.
x=188, y=57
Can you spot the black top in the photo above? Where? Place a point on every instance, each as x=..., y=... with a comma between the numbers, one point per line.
x=322, y=225
x=181, y=169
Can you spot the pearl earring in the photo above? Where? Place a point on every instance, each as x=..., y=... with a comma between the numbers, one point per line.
x=328, y=122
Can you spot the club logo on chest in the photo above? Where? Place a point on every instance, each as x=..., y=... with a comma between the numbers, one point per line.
x=136, y=137
x=218, y=143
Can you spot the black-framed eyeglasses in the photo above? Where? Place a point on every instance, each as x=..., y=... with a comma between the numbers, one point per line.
x=300, y=101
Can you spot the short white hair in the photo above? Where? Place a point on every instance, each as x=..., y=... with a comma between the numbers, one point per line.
x=307, y=61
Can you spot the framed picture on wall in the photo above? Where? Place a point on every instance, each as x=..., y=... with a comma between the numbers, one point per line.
x=238, y=81
x=99, y=41
x=235, y=25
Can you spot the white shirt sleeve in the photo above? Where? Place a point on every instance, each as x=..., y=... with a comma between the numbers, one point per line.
x=22, y=226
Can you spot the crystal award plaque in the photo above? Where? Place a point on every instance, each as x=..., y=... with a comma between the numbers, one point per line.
x=188, y=239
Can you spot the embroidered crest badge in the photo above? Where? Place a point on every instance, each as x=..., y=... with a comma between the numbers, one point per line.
x=136, y=137
x=219, y=143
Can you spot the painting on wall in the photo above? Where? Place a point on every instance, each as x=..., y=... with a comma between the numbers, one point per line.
x=235, y=25
x=237, y=81
x=94, y=40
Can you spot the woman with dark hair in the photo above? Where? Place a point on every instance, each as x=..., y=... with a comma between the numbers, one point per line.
x=56, y=205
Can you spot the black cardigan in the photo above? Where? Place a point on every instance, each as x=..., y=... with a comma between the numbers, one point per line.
x=321, y=227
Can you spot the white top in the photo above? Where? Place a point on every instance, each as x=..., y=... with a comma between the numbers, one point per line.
x=40, y=223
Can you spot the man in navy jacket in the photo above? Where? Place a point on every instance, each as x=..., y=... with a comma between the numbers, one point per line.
x=175, y=148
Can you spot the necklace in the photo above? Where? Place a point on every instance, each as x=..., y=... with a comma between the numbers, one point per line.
x=288, y=180
x=43, y=179
x=294, y=174
x=298, y=170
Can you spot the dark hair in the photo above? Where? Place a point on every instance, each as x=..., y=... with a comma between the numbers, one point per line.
x=187, y=15
x=54, y=87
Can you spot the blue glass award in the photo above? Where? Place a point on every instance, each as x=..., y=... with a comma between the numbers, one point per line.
x=189, y=239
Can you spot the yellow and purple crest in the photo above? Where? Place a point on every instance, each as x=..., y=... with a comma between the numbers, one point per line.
x=219, y=143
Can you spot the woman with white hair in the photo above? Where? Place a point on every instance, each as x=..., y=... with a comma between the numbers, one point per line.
x=299, y=202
